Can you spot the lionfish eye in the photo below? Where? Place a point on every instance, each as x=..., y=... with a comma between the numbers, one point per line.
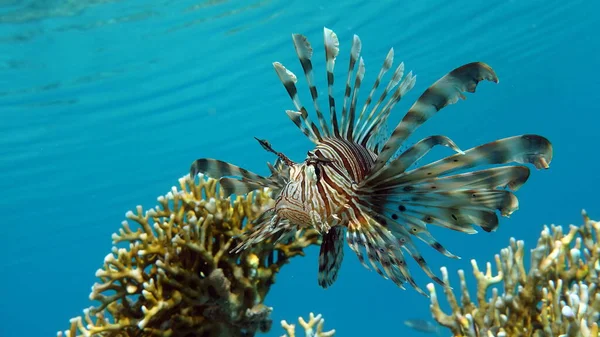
x=318, y=172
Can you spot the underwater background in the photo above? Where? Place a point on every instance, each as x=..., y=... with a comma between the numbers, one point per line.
x=105, y=104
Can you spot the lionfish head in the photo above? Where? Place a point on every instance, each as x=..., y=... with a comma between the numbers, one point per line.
x=294, y=202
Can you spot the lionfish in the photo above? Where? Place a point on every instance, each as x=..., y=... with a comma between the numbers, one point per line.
x=359, y=180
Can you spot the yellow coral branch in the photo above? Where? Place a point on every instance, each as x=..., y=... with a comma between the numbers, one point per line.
x=178, y=278
x=557, y=296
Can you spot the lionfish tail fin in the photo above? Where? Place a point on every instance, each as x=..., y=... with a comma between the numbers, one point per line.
x=236, y=180
x=331, y=256
x=445, y=91
x=353, y=124
x=441, y=193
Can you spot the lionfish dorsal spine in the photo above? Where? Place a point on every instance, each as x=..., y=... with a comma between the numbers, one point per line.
x=352, y=114
x=299, y=117
x=305, y=52
x=446, y=91
x=406, y=84
x=358, y=127
x=354, y=55
x=362, y=120
x=332, y=48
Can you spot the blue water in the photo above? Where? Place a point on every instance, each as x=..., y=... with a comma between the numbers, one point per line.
x=105, y=104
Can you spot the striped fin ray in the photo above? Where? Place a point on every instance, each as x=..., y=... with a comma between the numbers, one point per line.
x=387, y=64
x=384, y=251
x=414, y=153
x=396, y=223
x=402, y=203
x=279, y=172
x=332, y=49
x=258, y=230
x=361, y=129
x=445, y=91
x=481, y=199
x=457, y=210
x=403, y=232
x=523, y=149
x=463, y=224
x=304, y=52
x=379, y=125
x=238, y=187
x=358, y=238
x=504, y=201
x=331, y=256
x=275, y=169
x=300, y=117
x=354, y=55
x=372, y=243
x=418, y=228
x=358, y=81
x=354, y=240
x=458, y=201
x=223, y=171
x=512, y=177
x=266, y=227
x=369, y=124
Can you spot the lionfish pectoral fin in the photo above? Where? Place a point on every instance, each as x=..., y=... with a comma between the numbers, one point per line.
x=245, y=181
x=410, y=156
x=436, y=194
x=265, y=228
x=331, y=256
x=384, y=249
x=402, y=203
x=445, y=91
x=238, y=187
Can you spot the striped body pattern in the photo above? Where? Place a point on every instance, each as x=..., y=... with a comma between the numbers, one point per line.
x=357, y=185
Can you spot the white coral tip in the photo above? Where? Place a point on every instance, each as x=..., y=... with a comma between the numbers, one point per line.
x=568, y=312
x=109, y=258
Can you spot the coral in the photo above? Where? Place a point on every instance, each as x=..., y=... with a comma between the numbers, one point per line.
x=309, y=331
x=557, y=295
x=174, y=275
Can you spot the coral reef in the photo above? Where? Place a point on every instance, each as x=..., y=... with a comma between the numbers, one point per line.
x=557, y=295
x=309, y=327
x=174, y=275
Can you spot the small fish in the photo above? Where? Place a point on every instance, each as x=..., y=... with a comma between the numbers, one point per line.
x=422, y=325
x=358, y=182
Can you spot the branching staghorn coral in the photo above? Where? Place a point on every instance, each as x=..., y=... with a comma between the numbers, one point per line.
x=557, y=295
x=309, y=327
x=175, y=275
